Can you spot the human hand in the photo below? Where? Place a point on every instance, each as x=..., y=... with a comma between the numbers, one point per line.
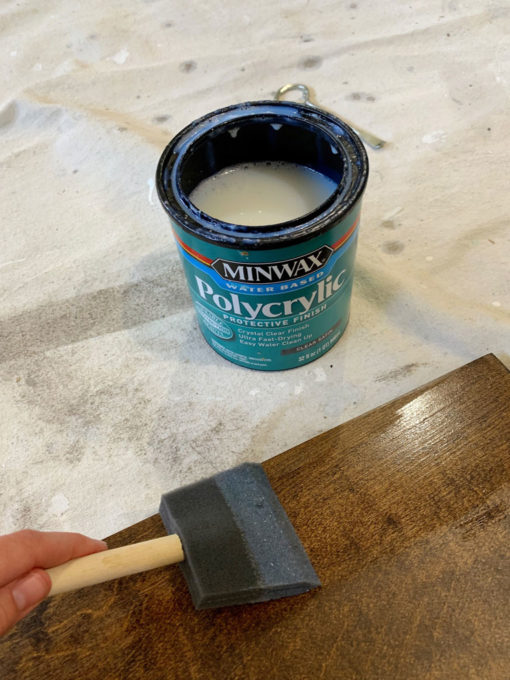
x=23, y=556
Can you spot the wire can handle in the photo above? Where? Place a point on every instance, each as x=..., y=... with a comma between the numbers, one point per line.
x=369, y=138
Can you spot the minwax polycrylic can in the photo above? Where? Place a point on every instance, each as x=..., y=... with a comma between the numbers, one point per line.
x=276, y=296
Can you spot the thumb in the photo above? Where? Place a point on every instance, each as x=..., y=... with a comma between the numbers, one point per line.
x=22, y=595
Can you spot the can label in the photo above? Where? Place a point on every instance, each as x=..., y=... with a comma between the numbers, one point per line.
x=272, y=309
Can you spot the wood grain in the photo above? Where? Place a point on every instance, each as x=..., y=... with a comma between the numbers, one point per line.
x=404, y=513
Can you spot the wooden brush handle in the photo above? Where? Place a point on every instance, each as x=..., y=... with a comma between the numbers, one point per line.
x=109, y=564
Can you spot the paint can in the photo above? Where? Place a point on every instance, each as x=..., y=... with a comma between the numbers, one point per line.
x=276, y=296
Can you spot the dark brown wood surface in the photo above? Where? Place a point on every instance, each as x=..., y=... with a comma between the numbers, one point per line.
x=404, y=512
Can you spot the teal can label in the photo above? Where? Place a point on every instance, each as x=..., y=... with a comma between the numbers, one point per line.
x=272, y=309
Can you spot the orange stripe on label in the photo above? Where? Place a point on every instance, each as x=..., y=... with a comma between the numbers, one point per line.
x=208, y=261
x=347, y=234
x=193, y=253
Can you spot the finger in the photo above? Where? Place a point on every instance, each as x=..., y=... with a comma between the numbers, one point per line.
x=22, y=595
x=25, y=550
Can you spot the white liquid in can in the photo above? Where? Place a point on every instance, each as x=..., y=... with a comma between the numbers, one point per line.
x=262, y=193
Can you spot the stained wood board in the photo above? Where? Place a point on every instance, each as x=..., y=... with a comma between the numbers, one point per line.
x=404, y=514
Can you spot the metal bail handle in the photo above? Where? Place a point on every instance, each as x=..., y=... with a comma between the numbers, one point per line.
x=367, y=137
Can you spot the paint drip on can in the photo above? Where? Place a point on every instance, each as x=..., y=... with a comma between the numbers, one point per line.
x=276, y=296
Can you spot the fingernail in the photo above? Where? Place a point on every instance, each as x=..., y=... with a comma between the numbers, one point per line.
x=30, y=590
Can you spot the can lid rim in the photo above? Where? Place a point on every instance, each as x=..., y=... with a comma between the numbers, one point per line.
x=328, y=214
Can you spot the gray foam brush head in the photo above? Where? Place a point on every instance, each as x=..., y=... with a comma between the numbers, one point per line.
x=238, y=542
